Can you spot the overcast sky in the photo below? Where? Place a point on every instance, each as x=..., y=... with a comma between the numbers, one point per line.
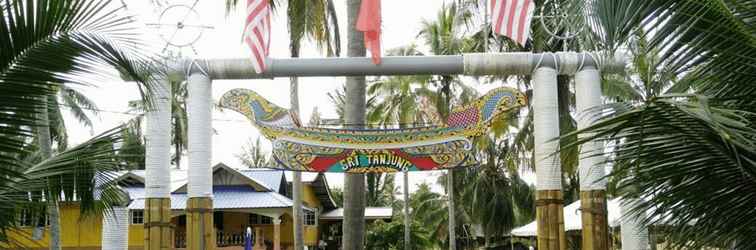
x=402, y=20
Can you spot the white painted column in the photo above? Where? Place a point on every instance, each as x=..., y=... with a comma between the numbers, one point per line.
x=115, y=229
x=158, y=144
x=199, y=207
x=593, y=209
x=588, y=96
x=549, y=196
x=199, y=131
x=277, y=233
x=634, y=235
x=546, y=128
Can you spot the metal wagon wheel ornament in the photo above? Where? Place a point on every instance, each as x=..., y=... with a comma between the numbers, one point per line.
x=562, y=20
x=180, y=26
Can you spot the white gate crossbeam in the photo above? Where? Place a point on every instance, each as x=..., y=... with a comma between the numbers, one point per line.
x=516, y=63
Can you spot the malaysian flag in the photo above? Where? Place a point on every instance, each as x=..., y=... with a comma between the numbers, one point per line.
x=257, y=32
x=511, y=18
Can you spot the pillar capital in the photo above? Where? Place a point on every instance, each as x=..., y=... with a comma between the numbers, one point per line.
x=277, y=221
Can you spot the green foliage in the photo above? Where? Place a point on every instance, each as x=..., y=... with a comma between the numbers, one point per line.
x=390, y=235
x=338, y=196
x=253, y=156
x=132, y=150
x=689, y=157
x=43, y=44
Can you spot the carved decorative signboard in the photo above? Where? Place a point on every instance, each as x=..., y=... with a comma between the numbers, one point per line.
x=316, y=149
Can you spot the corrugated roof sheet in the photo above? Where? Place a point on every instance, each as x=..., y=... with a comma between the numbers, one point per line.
x=307, y=177
x=370, y=213
x=224, y=197
x=267, y=177
x=179, y=177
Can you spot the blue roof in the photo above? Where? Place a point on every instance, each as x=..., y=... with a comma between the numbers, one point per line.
x=224, y=197
x=267, y=177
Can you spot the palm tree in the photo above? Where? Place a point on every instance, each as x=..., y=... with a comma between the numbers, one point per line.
x=75, y=38
x=354, y=117
x=253, y=156
x=318, y=21
x=397, y=105
x=315, y=19
x=443, y=36
x=430, y=210
x=495, y=196
x=689, y=132
x=54, y=130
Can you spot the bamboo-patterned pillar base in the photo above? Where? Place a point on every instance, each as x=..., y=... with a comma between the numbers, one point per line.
x=200, y=232
x=158, y=230
x=594, y=216
x=550, y=217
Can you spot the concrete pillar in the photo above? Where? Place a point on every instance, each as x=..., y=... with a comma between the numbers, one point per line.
x=200, y=232
x=591, y=168
x=634, y=235
x=158, y=233
x=549, y=197
x=277, y=233
x=115, y=229
x=259, y=239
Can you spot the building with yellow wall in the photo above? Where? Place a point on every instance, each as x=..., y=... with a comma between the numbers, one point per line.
x=254, y=198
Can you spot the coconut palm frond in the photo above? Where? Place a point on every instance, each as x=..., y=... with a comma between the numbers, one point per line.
x=692, y=161
x=84, y=173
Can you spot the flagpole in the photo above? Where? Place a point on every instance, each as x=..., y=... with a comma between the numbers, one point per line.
x=486, y=25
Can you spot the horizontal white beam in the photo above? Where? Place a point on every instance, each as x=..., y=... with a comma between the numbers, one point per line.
x=518, y=63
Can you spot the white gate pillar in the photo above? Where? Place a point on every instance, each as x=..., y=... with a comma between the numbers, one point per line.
x=549, y=197
x=157, y=207
x=634, y=234
x=591, y=168
x=199, y=207
x=115, y=229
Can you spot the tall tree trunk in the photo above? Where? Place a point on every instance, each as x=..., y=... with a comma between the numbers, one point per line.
x=45, y=148
x=178, y=152
x=452, y=218
x=296, y=183
x=354, y=116
x=407, y=228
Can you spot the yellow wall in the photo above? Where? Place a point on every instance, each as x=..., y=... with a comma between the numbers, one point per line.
x=85, y=233
x=76, y=231
x=311, y=234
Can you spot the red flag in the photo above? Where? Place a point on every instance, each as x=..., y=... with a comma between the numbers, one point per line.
x=511, y=18
x=369, y=22
x=257, y=32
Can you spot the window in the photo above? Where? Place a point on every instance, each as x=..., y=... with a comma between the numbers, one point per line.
x=137, y=217
x=310, y=218
x=256, y=219
x=265, y=220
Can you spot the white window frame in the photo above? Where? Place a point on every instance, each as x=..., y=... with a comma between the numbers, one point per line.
x=133, y=215
x=311, y=215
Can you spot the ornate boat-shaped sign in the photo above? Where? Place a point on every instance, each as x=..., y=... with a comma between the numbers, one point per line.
x=316, y=149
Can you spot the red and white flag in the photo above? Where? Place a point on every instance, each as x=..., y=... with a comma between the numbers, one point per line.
x=257, y=32
x=369, y=22
x=511, y=18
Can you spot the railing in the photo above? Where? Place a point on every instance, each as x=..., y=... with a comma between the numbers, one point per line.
x=179, y=239
x=222, y=239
